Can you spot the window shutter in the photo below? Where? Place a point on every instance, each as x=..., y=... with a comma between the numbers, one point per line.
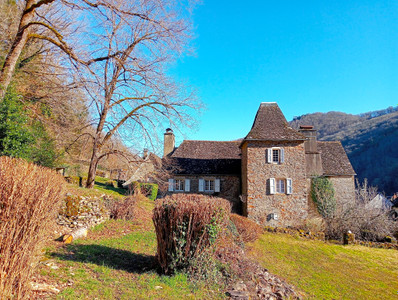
x=269, y=155
x=201, y=185
x=171, y=184
x=282, y=152
x=217, y=185
x=272, y=186
x=187, y=185
x=289, y=188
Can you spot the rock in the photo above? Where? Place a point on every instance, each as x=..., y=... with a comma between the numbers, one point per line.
x=239, y=295
x=44, y=287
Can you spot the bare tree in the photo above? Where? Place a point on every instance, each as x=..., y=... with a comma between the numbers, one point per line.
x=127, y=81
x=120, y=54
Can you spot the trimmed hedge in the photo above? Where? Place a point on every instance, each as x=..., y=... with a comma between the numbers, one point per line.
x=187, y=225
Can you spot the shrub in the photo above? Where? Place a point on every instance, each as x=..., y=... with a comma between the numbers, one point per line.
x=186, y=225
x=366, y=223
x=247, y=229
x=29, y=201
x=149, y=190
x=322, y=193
x=123, y=209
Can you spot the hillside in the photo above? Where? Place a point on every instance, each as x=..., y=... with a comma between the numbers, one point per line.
x=369, y=139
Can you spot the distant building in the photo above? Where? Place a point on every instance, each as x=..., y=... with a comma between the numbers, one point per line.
x=267, y=174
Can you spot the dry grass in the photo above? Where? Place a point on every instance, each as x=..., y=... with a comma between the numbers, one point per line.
x=247, y=229
x=125, y=209
x=185, y=226
x=29, y=201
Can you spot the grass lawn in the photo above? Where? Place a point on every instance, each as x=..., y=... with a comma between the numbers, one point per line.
x=117, y=261
x=329, y=271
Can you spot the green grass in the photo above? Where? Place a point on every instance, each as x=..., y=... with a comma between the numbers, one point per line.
x=328, y=271
x=117, y=261
x=100, y=188
x=100, y=184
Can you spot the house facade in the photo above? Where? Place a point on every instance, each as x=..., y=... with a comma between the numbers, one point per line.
x=266, y=175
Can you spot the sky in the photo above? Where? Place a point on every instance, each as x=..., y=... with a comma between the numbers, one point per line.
x=308, y=56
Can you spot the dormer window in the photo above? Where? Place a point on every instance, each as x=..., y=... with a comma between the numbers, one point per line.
x=275, y=155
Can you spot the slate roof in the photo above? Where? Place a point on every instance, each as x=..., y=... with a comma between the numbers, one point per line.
x=334, y=159
x=208, y=150
x=270, y=125
x=207, y=157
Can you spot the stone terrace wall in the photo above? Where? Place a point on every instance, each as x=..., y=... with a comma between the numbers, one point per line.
x=292, y=209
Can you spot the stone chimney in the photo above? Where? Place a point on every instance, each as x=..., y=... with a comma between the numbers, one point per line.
x=312, y=156
x=145, y=154
x=169, y=142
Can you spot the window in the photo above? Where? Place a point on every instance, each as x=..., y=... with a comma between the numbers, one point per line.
x=280, y=186
x=179, y=185
x=209, y=185
x=275, y=155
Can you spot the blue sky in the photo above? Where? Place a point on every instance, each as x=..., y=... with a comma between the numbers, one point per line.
x=308, y=56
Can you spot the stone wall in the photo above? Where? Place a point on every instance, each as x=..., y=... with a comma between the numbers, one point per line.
x=229, y=188
x=292, y=209
x=344, y=188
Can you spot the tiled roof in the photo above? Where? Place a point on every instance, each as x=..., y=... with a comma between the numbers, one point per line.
x=270, y=125
x=208, y=150
x=334, y=159
x=207, y=157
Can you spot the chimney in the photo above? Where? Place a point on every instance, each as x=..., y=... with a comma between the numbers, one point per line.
x=312, y=156
x=310, y=134
x=145, y=155
x=169, y=142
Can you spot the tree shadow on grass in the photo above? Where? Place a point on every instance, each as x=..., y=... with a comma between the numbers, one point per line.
x=110, y=257
x=121, y=191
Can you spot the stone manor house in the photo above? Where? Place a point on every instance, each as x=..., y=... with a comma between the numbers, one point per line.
x=266, y=175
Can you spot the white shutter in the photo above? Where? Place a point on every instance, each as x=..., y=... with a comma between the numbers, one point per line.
x=171, y=184
x=272, y=186
x=289, y=189
x=187, y=185
x=201, y=185
x=217, y=186
x=282, y=152
x=269, y=155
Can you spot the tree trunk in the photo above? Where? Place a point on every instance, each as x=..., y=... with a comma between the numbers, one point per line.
x=93, y=168
x=18, y=44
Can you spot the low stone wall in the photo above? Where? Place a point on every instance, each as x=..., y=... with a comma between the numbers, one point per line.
x=321, y=237
x=82, y=212
x=297, y=232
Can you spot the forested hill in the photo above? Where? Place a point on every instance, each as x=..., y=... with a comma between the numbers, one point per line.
x=370, y=140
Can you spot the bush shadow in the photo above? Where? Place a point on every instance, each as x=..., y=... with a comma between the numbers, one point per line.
x=109, y=257
x=121, y=191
